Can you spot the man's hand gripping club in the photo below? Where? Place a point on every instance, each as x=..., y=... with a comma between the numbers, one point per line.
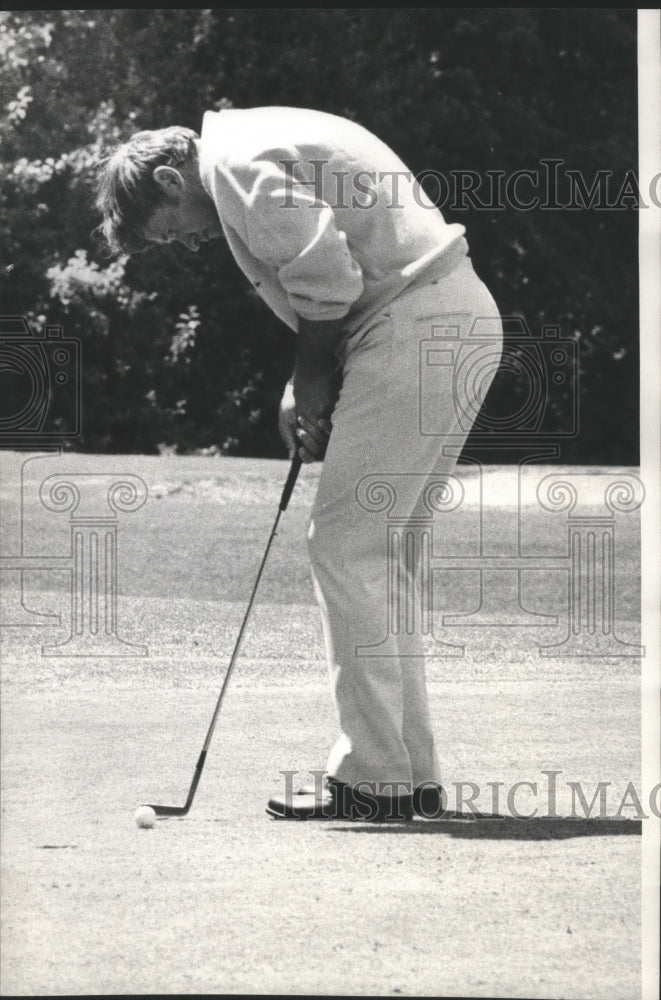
x=310, y=395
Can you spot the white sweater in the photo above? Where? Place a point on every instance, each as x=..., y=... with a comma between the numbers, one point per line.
x=323, y=218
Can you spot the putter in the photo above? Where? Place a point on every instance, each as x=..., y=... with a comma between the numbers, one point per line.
x=183, y=810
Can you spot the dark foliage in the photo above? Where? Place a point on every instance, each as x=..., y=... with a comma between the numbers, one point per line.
x=177, y=350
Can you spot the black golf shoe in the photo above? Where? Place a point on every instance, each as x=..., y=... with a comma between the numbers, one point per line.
x=333, y=799
x=429, y=800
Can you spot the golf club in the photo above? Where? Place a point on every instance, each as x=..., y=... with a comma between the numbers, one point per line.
x=183, y=810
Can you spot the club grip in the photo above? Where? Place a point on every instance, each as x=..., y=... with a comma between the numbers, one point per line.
x=291, y=482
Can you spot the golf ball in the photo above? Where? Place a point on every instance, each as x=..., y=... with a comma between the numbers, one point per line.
x=145, y=817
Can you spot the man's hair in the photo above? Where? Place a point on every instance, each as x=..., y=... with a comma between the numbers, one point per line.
x=127, y=191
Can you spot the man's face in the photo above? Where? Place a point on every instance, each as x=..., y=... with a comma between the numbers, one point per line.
x=186, y=214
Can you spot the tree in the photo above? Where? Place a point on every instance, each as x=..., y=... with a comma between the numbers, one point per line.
x=196, y=361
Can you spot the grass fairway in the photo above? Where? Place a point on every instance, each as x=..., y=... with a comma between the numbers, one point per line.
x=229, y=901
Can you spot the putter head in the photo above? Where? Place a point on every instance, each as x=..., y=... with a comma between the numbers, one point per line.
x=169, y=810
x=184, y=810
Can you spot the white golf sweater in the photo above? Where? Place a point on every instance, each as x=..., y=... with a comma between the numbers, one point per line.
x=323, y=218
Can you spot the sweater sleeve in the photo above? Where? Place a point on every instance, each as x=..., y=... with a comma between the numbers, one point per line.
x=289, y=228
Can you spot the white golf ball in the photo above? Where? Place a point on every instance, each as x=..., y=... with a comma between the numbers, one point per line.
x=145, y=817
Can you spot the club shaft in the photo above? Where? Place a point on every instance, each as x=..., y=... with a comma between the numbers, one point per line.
x=239, y=638
x=162, y=810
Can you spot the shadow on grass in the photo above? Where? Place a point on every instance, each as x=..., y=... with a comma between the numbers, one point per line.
x=497, y=827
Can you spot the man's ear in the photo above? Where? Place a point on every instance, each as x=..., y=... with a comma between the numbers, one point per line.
x=169, y=179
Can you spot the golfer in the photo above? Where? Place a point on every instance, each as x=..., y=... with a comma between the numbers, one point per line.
x=343, y=245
